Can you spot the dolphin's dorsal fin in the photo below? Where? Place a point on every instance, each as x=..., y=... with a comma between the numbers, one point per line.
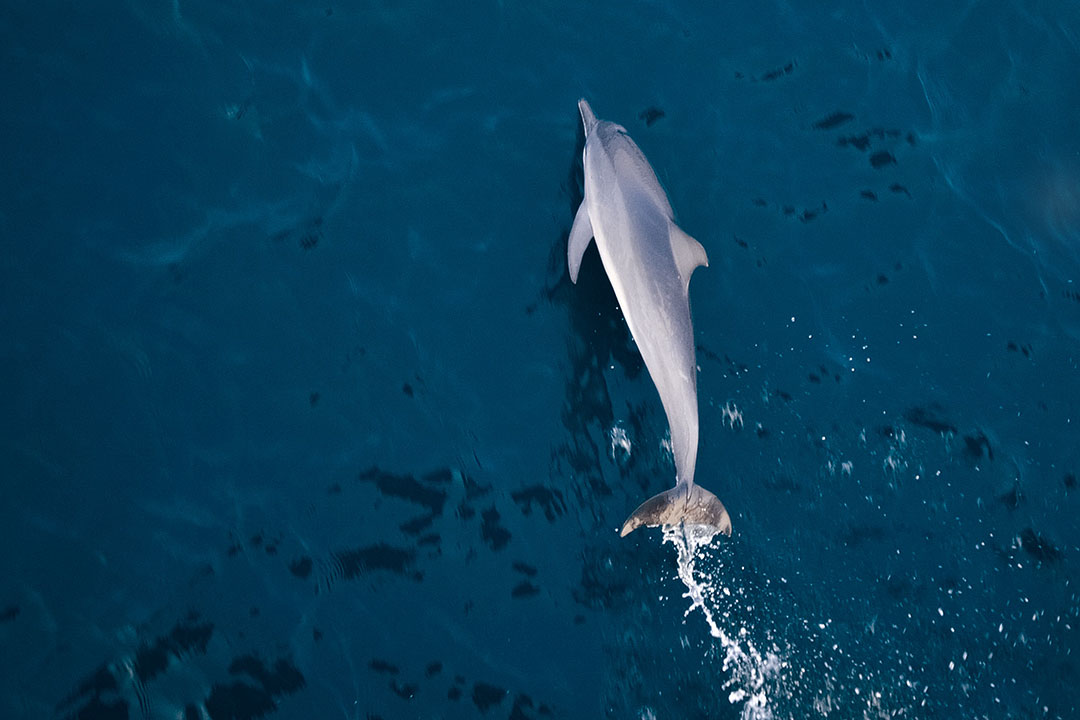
x=688, y=252
x=580, y=235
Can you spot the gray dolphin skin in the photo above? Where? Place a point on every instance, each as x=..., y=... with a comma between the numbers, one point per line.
x=648, y=260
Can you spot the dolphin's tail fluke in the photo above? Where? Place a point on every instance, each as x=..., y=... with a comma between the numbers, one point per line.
x=674, y=506
x=588, y=117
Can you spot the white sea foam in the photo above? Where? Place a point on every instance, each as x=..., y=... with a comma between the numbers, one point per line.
x=753, y=675
x=620, y=444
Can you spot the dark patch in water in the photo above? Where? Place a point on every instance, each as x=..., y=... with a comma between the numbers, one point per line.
x=898, y=188
x=808, y=215
x=732, y=367
x=312, y=234
x=405, y=487
x=100, y=681
x=9, y=613
x=834, y=120
x=495, y=535
x=353, y=356
x=862, y=142
x=782, y=480
x=241, y=700
x=1070, y=481
x=98, y=709
x=1024, y=349
x=442, y=476
x=433, y=669
x=869, y=195
x=283, y=678
x=602, y=586
x=650, y=115
x=550, y=500
x=523, y=702
x=406, y=691
x=186, y=637
x=930, y=418
x=861, y=533
x=524, y=589
x=976, y=444
x=779, y=72
x=1039, y=547
x=898, y=588
x=882, y=158
x=709, y=354
x=486, y=696
x=354, y=563
x=859, y=142
x=313, y=399
x=473, y=489
x=254, y=691
x=417, y=525
x=384, y=667
x=524, y=568
x=1013, y=498
x=407, y=389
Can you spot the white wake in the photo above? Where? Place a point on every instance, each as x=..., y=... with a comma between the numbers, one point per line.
x=753, y=676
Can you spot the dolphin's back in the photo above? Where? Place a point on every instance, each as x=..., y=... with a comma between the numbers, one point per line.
x=638, y=241
x=649, y=261
x=633, y=173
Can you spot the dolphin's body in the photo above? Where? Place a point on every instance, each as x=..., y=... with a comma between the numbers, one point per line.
x=649, y=261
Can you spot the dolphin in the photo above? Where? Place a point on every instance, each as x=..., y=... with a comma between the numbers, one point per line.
x=648, y=260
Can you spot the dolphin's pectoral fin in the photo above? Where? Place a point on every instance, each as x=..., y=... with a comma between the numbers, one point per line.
x=689, y=254
x=674, y=506
x=580, y=235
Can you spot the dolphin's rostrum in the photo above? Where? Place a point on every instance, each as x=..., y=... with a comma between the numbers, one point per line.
x=648, y=260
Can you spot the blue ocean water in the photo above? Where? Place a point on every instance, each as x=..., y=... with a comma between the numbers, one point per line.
x=304, y=417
